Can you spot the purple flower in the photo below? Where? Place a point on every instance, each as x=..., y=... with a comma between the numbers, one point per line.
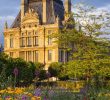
x=38, y=92
x=15, y=72
x=24, y=97
x=45, y=98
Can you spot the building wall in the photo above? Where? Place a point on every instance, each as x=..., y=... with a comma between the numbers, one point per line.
x=29, y=40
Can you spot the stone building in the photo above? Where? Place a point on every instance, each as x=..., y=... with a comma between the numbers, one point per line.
x=28, y=36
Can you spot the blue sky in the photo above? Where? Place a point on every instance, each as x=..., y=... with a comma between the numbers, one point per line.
x=10, y=8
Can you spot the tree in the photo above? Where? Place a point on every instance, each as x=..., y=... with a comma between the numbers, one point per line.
x=89, y=47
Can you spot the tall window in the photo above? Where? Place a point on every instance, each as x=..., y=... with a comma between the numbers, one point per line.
x=22, y=42
x=49, y=38
x=50, y=55
x=61, y=55
x=36, y=41
x=11, y=41
x=29, y=39
x=29, y=56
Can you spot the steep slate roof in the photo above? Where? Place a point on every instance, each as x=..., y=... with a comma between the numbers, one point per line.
x=17, y=21
x=54, y=9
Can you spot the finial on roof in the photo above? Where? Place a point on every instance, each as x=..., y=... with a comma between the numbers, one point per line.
x=30, y=10
x=57, y=19
x=6, y=25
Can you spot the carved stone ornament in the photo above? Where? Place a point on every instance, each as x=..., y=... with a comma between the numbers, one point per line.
x=31, y=17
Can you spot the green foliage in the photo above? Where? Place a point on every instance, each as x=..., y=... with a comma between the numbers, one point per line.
x=42, y=75
x=90, y=52
x=26, y=70
x=55, y=69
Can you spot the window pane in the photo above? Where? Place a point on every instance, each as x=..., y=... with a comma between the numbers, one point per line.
x=36, y=41
x=29, y=39
x=50, y=55
x=29, y=56
x=49, y=38
x=23, y=42
x=11, y=41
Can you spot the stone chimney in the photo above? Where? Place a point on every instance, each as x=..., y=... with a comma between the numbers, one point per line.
x=67, y=9
x=44, y=18
x=68, y=6
x=23, y=8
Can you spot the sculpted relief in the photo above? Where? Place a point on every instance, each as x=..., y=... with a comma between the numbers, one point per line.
x=31, y=17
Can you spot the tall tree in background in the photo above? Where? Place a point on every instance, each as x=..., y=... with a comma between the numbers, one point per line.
x=87, y=36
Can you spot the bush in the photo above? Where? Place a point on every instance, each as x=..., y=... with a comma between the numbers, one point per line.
x=42, y=75
x=55, y=69
x=25, y=70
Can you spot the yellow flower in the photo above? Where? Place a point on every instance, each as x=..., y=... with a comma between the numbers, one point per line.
x=10, y=92
x=29, y=94
x=2, y=91
x=36, y=98
x=33, y=98
x=18, y=91
x=25, y=92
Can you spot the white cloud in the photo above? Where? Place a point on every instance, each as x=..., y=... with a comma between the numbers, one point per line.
x=2, y=18
x=106, y=8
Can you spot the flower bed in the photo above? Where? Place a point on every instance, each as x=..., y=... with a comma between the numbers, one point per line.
x=49, y=93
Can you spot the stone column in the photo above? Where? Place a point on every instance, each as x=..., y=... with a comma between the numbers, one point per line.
x=25, y=55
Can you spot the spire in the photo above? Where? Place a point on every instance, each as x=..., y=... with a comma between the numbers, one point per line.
x=6, y=25
x=68, y=6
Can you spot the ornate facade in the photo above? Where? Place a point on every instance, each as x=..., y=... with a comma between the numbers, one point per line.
x=28, y=36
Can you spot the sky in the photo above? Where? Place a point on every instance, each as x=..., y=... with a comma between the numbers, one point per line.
x=10, y=8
